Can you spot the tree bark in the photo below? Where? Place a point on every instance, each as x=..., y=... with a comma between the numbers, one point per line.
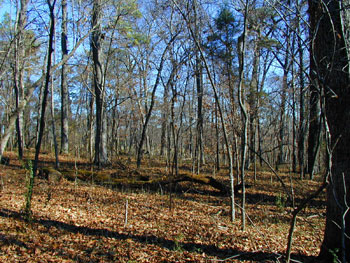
x=43, y=106
x=314, y=125
x=329, y=55
x=200, y=93
x=64, y=85
x=244, y=136
x=19, y=70
x=253, y=103
x=165, y=114
x=101, y=156
x=302, y=121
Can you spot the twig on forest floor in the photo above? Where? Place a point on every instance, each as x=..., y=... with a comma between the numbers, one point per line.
x=126, y=212
x=232, y=257
x=294, y=217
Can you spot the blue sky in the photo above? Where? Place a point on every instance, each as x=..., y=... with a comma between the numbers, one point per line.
x=6, y=7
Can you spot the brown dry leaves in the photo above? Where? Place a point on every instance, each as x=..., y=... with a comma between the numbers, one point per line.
x=86, y=223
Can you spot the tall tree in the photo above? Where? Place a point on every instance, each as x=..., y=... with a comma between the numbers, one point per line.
x=314, y=127
x=302, y=102
x=199, y=88
x=64, y=85
x=314, y=134
x=19, y=69
x=244, y=135
x=329, y=55
x=284, y=93
x=43, y=106
x=101, y=156
x=221, y=45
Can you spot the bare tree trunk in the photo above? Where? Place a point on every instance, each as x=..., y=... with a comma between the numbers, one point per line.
x=282, y=132
x=90, y=125
x=64, y=85
x=217, y=138
x=302, y=121
x=19, y=70
x=165, y=113
x=314, y=128
x=294, y=122
x=53, y=125
x=244, y=136
x=253, y=102
x=175, y=165
x=43, y=107
x=101, y=156
x=200, y=93
x=330, y=67
x=199, y=144
x=314, y=118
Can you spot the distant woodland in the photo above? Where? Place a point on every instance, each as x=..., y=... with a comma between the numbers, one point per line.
x=243, y=85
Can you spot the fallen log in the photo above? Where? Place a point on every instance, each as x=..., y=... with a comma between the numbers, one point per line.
x=205, y=180
x=138, y=180
x=50, y=174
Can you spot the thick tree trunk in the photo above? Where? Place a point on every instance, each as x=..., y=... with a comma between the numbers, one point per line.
x=101, y=156
x=314, y=106
x=330, y=53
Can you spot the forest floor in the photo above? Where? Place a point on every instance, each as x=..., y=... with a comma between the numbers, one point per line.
x=85, y=222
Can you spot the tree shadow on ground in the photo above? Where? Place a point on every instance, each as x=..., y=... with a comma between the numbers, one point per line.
x=210, y=250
